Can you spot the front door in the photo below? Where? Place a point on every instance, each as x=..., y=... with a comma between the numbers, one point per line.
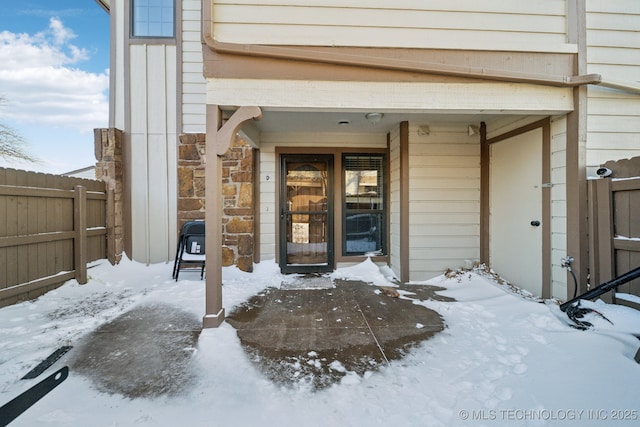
x=306, y=214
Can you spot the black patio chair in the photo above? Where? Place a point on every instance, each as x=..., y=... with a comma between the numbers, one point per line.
x=191, y=248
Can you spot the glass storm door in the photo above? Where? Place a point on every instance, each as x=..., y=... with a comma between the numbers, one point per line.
x=306, y=214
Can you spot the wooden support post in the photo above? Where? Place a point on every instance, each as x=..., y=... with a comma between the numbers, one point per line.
x=80, y=230
x=218, y=140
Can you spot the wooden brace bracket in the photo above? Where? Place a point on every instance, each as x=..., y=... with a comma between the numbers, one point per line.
x=228, y=131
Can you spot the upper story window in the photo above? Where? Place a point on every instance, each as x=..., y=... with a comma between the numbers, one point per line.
x=153, y=18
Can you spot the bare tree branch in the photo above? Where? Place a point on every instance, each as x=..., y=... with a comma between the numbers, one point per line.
x=12, y=145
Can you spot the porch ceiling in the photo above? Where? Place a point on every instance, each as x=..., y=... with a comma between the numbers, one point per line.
x=279, y=121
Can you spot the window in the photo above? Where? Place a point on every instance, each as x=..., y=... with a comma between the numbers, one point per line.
x=364, y=217
x=153, y=18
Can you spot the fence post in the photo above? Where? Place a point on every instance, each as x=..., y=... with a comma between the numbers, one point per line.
x=111, y=227
x=601, y=231
x=80, y=228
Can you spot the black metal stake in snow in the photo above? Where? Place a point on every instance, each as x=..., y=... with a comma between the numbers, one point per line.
x=11, y=410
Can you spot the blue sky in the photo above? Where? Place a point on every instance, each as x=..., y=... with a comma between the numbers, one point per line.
x=54, y=60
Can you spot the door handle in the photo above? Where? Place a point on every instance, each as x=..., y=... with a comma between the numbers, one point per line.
x=535, y=223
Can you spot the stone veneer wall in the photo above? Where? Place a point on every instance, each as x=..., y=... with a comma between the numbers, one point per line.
x=237, y=192
x=108, y=153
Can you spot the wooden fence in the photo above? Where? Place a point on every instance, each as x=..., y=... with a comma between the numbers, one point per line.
x=614, y=229
x=50, y=228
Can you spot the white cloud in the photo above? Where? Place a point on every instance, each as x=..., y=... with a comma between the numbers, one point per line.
x=42, y=84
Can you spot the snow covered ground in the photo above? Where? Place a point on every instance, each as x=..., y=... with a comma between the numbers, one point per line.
x=503, y=359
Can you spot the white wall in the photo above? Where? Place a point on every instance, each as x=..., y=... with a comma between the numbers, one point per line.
x=454, y=24
x=444, y=198
x=117, y=64
x=558, y=206
x=613, y=50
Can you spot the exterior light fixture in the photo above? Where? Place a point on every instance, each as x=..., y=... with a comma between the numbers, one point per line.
x=374, y=118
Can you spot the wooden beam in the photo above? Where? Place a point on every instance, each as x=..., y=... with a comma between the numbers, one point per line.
x=218, y=140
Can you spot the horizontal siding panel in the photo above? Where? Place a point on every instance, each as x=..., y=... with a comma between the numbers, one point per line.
x=453, y=255
x=420, y=187
x=461, y=24
x=391, y=37
x=450, y=162
x=198, y=88
x=614, y=38
x=614, y=106
x=596, y=158
x=446, y=230
x=447, y=242
x=191, y=15
x=447, y=194
x=445, y=172
x=192, y=56
x=618, y=22
x=541, y=7
x=443, y=207
x=613, y=55
x=616, y=72
x=619, y=6
x=444, y=149
x=191, y=36
x=192, y=48
x=387, y=18
x=608, y=140
x=194, y=98
x=615, y=124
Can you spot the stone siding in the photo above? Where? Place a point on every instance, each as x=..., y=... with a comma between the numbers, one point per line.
x=237, y=193
x=108, y=153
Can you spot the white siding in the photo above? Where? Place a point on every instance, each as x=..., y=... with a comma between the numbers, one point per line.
x=117, y=82
x=153, y=151
x=444, y=199
x=614, y=51
x=503, y=98
x=268, y=202
x=194, y=86
x=558, y=206
x=453, y=24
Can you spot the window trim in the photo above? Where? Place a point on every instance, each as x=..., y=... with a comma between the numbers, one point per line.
x=384, y=211
x=134, y=39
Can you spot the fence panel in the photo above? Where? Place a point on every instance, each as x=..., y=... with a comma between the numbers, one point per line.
x=614, y=225
x=50, y=227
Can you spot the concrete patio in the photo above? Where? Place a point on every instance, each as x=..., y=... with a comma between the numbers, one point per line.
x=305, y=337
x=318, y=335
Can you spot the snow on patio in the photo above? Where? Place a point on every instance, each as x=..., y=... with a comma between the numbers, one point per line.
x=503, y=358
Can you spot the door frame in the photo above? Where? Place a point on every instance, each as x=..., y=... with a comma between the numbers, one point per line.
x=283, y=159
x=485, y=189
